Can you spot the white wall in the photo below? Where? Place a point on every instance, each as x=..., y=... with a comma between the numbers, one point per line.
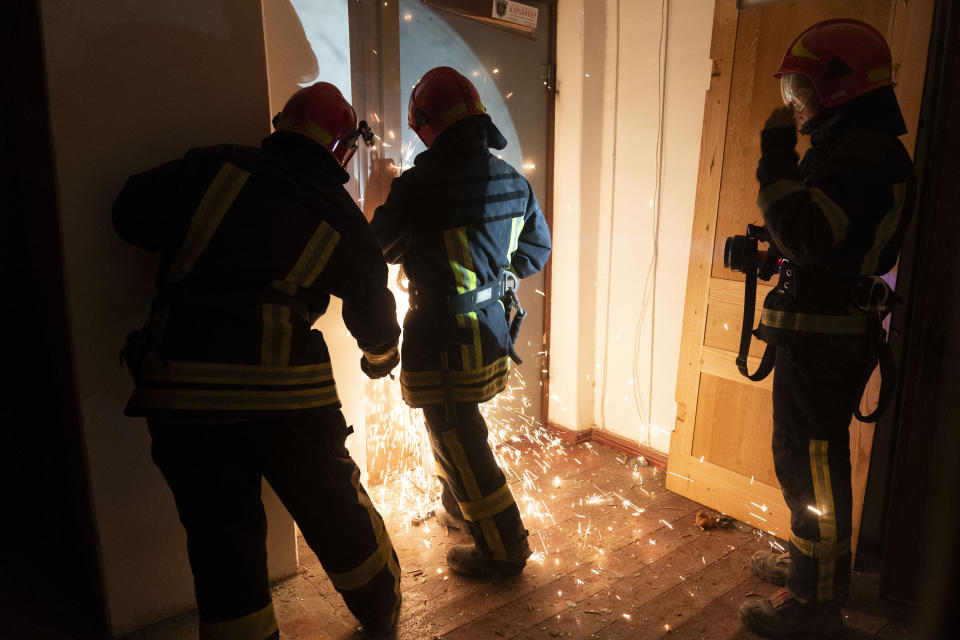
x=604, y=370
x=133, y=84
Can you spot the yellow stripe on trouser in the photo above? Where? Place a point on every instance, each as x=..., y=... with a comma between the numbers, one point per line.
x=258, y=625
x=277, y=333
x=477, y=510
x=827, y=519
x=383, y=555
x=461, y=263
x=460, y=461
x=818, y=549
x=209, y=214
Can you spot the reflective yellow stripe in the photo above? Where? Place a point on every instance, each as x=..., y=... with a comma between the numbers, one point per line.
x=277, y=333
x=460, y=461
x=801, y=51
x=516, y=226
x=835, y=215
x=886, y=229
x=488, y=507
x=366, y=570
x=823, y=494
x=816, y=549
x=216, y=373
x=458, y=110
x=777, y=191
x=465, y=278
x=477, y=345
x=382, y=556
x=314, y=256
x=286, y=287
x=232, y=400
x=879, y=74
x=814, y=323
x=209, y=214
x=380, y=358
x=427, y=378
x=258, y=625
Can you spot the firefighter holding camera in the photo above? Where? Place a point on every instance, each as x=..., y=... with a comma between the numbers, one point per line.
x=835, y=220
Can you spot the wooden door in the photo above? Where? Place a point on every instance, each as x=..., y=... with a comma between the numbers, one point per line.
x=720, y=452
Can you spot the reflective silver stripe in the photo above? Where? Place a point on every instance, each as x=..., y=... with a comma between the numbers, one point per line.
x=277, y=333
x=885, y=230
x=314, y=256
x=814, y=323
x=380, y=358
x=232, y=400
x=816, y=549
x=777, y=191
x=209, y=214
x=835, y=215
x=219, y=373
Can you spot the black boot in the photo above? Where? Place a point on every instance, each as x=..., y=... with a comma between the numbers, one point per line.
x=771, y=566
x=784, y=615
x=384, y=628
x=470, y=560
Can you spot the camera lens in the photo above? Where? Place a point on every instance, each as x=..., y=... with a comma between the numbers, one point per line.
x=733, y=253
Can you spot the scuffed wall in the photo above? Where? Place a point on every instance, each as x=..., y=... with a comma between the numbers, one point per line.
x=131, y=85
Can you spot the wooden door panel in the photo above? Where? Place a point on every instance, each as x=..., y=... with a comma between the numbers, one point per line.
x=743, y=446
x=720, y=452
x=725, y=316
x=762, y=36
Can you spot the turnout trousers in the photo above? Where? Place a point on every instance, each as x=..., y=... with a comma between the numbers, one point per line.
x=215, y=471
x=815, y=390
x=469, y=473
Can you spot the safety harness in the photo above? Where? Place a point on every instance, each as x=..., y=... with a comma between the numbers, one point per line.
x=870, y=294
x=503, y=290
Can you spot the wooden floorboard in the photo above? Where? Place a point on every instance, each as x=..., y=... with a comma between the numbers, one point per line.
x=619, y=556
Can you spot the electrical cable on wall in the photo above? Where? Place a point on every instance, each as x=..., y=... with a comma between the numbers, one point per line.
x=649, y=290
x=613, y=191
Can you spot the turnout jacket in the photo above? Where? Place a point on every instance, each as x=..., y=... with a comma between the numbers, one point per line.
x=455, y=221
x=254, y=242
x=838, y=216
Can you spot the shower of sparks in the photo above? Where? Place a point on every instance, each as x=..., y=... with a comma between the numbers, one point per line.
x=401, y=466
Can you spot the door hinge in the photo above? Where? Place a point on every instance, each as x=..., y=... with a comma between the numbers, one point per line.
x=548, y=74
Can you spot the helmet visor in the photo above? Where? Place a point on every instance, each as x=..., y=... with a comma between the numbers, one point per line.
x=795, y=90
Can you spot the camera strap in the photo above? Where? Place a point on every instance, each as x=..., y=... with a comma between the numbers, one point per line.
x=747, y=332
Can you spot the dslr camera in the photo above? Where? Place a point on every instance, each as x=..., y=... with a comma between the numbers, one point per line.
x=741, y=253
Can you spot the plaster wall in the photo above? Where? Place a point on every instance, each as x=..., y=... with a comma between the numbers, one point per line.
x=133, y=84
x=624, y=209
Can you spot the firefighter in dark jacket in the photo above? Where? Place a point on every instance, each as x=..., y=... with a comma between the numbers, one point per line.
x=465, y=226
x=837, y=219
x=234, y=383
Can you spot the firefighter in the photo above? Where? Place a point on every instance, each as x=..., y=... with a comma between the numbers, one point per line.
x=464, y=225
x=837, y=219
x=234, y=383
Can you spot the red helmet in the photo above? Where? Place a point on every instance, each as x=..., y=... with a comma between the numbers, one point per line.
x=442, y=97
x=321, y=113
x=841, y=58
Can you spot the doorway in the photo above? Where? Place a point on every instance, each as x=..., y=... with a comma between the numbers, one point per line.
x=376, y=51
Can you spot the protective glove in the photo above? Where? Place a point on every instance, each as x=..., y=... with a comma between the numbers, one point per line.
x=379, y=365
